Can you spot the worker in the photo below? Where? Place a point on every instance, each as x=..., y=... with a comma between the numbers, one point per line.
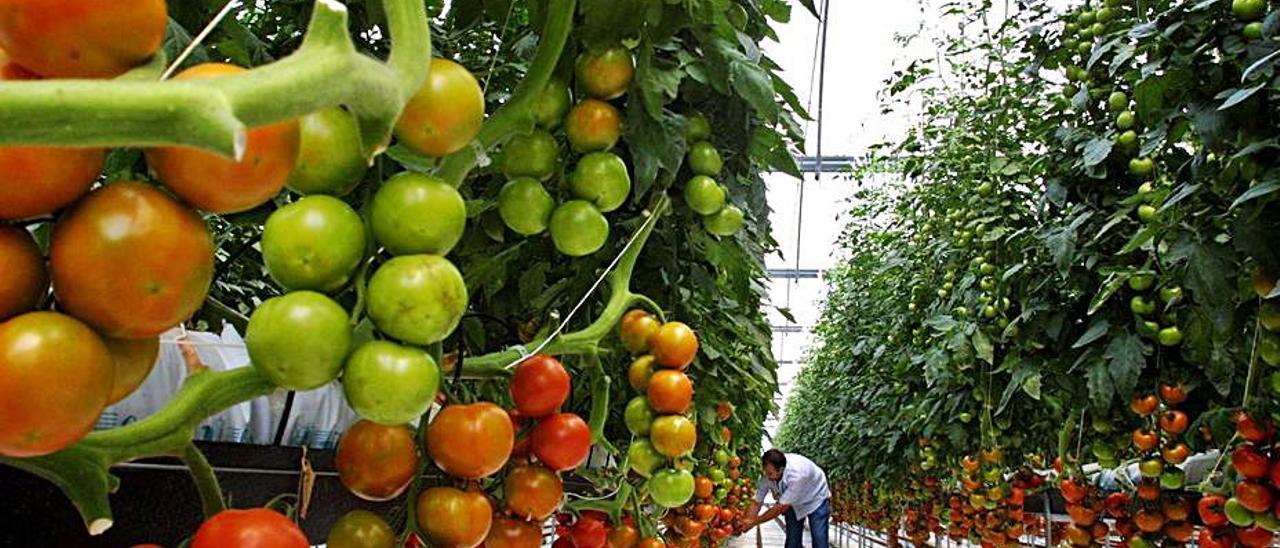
x=800, y=488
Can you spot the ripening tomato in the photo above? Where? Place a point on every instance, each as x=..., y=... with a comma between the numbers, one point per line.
x=635, y=330
x=360, y=529
x=651, y=542
x=588, y=532
x=1173, y=422
x=623, y=535
x=375, y=461
x=81, y=38
x=1143, y=405
x=702, y=487
x=24, y=279
x=512, y=533
x=562, y=441
x=674, y=345
x=256, y=528
x=673, y=435
x=607, y=73
x=471, y=441
x=223, y=185
x=133, y=360
x=452, y=518
x=39, y=180
x=670, y=391
x=539, y=386
x=639, y=373
x=55, y=379
x=593, y=125
x=130, y=261
x=533, y=492
x=445, y=114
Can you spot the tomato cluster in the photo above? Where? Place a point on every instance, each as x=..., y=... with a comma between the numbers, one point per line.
x=702, y=193
x=1248, y=516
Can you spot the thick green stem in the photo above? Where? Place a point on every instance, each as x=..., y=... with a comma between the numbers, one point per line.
x=205, y=480
x=599, y=396
x=516, y=116
x=214, y=114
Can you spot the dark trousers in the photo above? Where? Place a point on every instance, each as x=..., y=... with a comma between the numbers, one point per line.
x=819, y=520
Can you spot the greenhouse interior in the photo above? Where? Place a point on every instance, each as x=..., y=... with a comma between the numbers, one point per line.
x=639, y=273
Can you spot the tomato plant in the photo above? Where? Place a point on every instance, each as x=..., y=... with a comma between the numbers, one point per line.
x=257, y=528
x=375, y=461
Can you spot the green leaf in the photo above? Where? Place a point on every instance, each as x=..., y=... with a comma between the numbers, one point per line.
x=982, y=346
x=1240, y=96
x=754, y=85
x=1259, y=190
x=1126, y=360
x=1101, y=387
x=1096, y=330
x=1097, y=150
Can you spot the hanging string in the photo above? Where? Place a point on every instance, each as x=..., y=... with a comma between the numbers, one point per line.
x=599, y=280
x=195, y=42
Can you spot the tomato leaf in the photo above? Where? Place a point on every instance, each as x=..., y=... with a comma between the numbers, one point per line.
x=1096, y=330
x=1125, y=361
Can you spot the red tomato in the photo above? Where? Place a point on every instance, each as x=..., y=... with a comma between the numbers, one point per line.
x=223, y=185
x=375, y=461
x=24, y=280
x=1249, y=462
x=55, y=378
x=533, y=492
x=130, y=261
x=674, y=345
x=588, y=532
x=81, y=38
x=562, y=441
x=539, y=386
x=471, y=441
x=445, y=114
x=513, y=533
x=670, y=392
x=256, y=528
x=452, y=518
x=624, y=535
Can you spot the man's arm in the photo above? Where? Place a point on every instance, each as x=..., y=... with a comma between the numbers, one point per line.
x=769, y=515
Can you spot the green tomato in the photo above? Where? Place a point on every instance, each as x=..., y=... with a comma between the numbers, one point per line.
x=1127, y=140
x=1118, y=101
x=1105, y=15
x=1125, y=120
x=1141, y=306
x=535, y=154
x=1103, y=450
x=1269, y=349
x=1173, y=479
x=1248, y=10
x=966, y=417
x=298, y=341
x=727, y=222
x=553, y=103
x=414, y=213
x=721, y=493
x=721, y=457
x=361, y=529
x=1170, y=336
x=418, y=299
x=578, y=228
x=1086, y=18
x=314, y=243
x=1269, y=315
x=638, y=416
x=329, y=157
x=699, y=128
x=1252, y=31
x=1142, y=282
x=1147, y=213
x=1151, y=468
x=1171, y=294
x=1141, y=167
x=644, y=458
x=704, y=159
x=704, y=195
x=602, y=179
x=1268, y=521
x=1085, y=47
x=717, y=476
x=389, y=383
x=671, y=488
x=525, y=206
x=1237, y=514
x=1273, y=382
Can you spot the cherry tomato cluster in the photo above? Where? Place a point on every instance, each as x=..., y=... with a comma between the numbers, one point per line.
x=994, y=507
x=702, y=193
x=1248, y=516
x=657, y=416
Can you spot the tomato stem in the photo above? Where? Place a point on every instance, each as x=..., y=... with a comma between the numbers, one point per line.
x=205, y=480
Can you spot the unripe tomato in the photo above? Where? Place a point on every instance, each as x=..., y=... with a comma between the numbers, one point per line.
x=535, y=154
x=55, y=379
x=81, y=38
x=673, y=435
x=636, y=328
x=418, y=299
x=525, y=206
x=314, y=243
x=446, y=113
x=578, y=228
x=605, y=74
x=361, y=529
x=223, y=185
x=639, y=373
x=552, y=104
x=299, y=340
x=134, y=279
x=602, y=179
x=593, y=125
x=330, y=160
x=389, y=383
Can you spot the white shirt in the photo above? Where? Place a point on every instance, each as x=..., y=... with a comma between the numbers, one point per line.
x=803, y=486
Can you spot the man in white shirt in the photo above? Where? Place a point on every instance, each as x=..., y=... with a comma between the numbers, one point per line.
x=800, y=488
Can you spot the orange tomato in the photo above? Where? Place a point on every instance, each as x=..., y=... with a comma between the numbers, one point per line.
x=223, y=185
x=471, y=441
x=24, y=280
x=452, y=518
x=670, y=391
x=446, y=113
x=674, y=345
x=82, y=38
x=593, y=125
